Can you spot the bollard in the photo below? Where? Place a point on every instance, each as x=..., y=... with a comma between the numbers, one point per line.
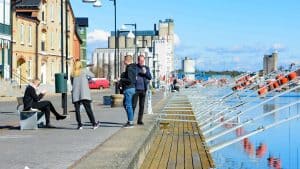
x=149, y=102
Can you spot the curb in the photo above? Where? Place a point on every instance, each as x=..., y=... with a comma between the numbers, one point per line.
x=125, y=149
x=141, y=154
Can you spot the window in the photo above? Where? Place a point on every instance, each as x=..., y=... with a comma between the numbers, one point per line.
x=30, y=35
x=52, y=41
x=2, y=11
x=59, y=41
x=22, y=34
x=52, y=12
x=7, y=11
x=43, y=17
x=29, y=69
x=51, y=70
x=43, y=46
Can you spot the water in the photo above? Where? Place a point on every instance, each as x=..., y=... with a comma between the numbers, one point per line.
x=281, y=142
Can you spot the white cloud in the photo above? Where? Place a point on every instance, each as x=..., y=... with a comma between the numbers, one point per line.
x=97, y=35
x=254, y=49
x=176, y=40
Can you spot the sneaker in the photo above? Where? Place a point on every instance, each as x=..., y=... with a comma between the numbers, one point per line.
x=95, y=126
x=79, y=128
x=128, y=125
x=140, y=123
x=61, y=117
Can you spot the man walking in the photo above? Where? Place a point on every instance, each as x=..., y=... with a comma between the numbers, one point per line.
x=128, y=82
x=142, y=83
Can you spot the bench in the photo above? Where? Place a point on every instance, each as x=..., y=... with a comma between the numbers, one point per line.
x=31, y=119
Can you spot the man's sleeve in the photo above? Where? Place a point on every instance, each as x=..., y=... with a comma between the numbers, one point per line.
x=148, y=74
x=34, y=96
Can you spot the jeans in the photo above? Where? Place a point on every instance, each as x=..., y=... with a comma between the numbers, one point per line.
x=128, y=94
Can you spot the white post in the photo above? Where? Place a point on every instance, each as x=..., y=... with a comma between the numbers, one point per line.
x=149, y=101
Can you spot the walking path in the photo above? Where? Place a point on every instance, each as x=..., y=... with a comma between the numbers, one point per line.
x=63, y=146
x=179, y=142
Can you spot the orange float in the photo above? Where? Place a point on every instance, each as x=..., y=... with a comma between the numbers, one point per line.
x=263, y=90
x=292, y=75
x=284, y=80
x=275, y=84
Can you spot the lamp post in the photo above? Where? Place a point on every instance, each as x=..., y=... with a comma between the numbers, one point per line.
x=135, y=38
x=97, y=3
x=129, y=35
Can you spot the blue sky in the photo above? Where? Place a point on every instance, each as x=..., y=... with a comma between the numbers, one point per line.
x=218, y=34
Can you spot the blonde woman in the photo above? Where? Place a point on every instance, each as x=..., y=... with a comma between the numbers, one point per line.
x=81, y=93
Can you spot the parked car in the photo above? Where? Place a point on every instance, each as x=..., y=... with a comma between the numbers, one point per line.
x=98, y=83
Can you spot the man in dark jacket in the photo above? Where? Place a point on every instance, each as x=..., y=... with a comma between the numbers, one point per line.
x=142, y=83
x=128, y=86
x=32, y=100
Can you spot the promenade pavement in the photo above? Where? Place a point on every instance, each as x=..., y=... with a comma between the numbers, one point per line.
x=64, y=146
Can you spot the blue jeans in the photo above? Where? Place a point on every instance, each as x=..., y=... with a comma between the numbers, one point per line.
x=128, y=94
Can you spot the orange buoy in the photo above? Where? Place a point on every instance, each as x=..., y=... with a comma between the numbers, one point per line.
x=275, y=84
x=284, y=80
x=263, y=90
x=292, y=75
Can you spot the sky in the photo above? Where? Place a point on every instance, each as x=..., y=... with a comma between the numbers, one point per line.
x=218, y=34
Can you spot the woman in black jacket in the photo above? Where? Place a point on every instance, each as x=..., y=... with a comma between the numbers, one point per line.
x=32, y=100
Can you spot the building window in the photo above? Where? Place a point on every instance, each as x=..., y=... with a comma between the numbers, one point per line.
x=30, y=35
x=51, y=70
x=59, y=41
x=52, y=40
x=22, y=34
x=29, y=63
x=52, y=12
x=43, y=17
x=43, y=46
x=81, y=30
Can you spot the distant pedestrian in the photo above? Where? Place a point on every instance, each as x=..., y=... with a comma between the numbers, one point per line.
x=128, y=82
x=32, y=99
x=142, y=84
x=81, y=93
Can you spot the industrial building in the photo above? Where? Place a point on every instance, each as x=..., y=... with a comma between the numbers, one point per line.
x=270, y=63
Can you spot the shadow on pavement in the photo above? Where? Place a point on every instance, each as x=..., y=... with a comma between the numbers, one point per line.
x=9, y=127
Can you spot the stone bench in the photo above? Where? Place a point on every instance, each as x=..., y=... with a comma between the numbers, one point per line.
x=31, y=119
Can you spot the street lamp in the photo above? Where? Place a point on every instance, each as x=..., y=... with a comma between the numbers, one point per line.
x=130, y=35
x=97, y=3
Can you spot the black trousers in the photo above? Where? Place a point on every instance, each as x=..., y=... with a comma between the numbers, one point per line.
x=139, y=95
x=88, y=109
x=45, y=106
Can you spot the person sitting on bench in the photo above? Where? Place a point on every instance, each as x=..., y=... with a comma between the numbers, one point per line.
x=32, y=100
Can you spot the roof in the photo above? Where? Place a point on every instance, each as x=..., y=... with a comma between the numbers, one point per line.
x=138, y=33
x=82, y=22
x=32, y=4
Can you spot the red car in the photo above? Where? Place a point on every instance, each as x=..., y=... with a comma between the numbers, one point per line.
x=98, y=83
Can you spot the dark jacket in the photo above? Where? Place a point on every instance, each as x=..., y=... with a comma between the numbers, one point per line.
x=30, y=97
x=143, y=78
x=129, y=79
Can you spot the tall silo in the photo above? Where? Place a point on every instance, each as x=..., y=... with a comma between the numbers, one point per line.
x=189, y=68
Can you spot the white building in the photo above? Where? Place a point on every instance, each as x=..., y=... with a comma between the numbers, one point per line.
x=104, y=61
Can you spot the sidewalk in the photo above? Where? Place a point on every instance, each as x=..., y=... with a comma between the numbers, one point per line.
x=63, y=146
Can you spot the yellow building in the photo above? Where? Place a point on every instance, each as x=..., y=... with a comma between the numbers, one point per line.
x=38, y=53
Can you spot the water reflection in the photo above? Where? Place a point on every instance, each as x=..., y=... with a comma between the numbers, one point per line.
x=272, y=149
